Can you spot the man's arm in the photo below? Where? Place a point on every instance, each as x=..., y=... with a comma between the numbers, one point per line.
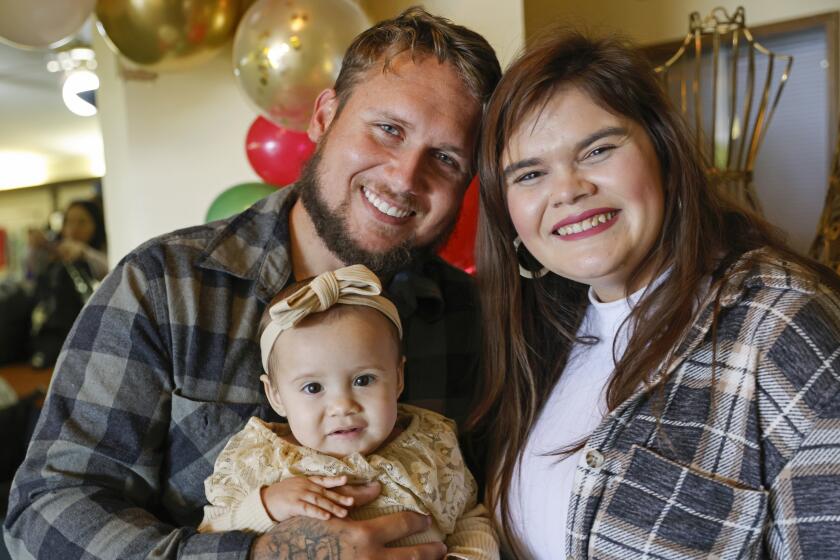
x=91, y=479
x=341, y=539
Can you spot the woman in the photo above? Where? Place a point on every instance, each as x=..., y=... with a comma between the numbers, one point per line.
x=662, y=373
x=70, y=272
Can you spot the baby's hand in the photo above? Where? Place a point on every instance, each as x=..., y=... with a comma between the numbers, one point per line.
x=306, y=496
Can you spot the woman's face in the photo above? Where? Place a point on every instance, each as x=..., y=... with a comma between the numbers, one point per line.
x=584, y=192
x=78, y=225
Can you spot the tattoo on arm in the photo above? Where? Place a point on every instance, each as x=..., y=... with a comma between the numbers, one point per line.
x=300, y=538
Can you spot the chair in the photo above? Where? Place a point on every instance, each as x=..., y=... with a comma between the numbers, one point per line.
x=727, y=85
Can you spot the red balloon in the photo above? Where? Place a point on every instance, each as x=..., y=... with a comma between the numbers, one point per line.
x=460, y=248
x=277, y=154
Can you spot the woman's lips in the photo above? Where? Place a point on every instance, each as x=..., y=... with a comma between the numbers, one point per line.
x=586, y=224
x=582, y=216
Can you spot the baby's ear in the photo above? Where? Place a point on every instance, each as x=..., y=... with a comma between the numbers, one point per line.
x=273, y=396
x=400, y=376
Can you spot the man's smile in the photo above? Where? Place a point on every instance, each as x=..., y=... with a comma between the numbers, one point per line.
x=387, y=211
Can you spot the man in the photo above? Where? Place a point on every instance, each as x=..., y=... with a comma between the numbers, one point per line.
x=163, y=364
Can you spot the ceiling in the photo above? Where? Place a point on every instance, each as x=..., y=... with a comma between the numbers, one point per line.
x=41, y=141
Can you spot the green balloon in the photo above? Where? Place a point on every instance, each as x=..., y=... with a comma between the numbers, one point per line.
x=236, y=199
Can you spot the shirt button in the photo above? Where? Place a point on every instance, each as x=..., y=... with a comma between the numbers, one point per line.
x=594, y=459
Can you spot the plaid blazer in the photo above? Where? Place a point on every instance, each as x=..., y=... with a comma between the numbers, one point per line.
x=162, y=367
x=745, y=465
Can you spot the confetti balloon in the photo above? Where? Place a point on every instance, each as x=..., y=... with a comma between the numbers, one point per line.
x=287, y=51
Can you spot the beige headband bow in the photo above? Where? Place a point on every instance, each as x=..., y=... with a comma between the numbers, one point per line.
x=352, y=285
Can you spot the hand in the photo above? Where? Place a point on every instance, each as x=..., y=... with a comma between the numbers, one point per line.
x=69, y=250
x=307, y=496
x=36, y=239
x=336, y=539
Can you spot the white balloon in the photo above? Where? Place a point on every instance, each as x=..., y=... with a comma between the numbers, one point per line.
x=41, y=23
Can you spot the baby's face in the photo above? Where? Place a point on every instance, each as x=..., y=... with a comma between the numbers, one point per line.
x=337, y=380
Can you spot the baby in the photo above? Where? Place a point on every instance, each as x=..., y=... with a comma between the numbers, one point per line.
x=331, y=347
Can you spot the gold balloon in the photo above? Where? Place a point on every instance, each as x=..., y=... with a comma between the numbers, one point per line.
x=168, y=34
x=287, y=51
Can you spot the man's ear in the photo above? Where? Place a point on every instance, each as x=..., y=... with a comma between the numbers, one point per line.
x=273, y=396
x=325, y=108
x=400, y=376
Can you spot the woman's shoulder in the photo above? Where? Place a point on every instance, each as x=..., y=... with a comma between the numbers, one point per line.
x=765, y=277
x=790, y=319
x=771, y=296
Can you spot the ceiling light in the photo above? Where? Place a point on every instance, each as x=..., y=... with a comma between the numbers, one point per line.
x=22, y=169
x=79, y=92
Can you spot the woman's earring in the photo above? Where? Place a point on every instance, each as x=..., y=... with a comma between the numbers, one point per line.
x=524, y=272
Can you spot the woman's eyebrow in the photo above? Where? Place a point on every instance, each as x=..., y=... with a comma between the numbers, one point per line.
x=602, y=133
x=517, y=165
x=594, y=137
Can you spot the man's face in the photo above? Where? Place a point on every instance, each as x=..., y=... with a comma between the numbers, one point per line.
x=390, y=172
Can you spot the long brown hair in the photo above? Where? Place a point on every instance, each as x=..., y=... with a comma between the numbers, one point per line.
x=530, y=325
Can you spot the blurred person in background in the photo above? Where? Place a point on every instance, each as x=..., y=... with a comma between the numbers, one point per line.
x=82, y=239
x=65, y=273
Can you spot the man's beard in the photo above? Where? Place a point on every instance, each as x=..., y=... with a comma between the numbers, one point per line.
x=332, y=228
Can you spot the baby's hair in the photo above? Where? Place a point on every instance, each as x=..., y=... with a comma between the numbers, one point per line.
x=332, y=313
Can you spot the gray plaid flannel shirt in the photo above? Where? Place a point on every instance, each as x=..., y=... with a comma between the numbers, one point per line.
x=747, y=466
x=162, y=367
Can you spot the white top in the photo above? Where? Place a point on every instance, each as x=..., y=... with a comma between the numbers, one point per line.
x=539, y=496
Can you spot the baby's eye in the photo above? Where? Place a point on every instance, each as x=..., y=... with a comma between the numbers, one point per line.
x=312, y=388
x=364, y=380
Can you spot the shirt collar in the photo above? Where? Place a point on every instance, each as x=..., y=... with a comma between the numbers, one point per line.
x=417, y=290
x=254, y=245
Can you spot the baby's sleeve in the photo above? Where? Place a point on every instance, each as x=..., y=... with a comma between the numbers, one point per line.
x=474, y=537
x=233, y=490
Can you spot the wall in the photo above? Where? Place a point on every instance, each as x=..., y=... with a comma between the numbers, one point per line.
x=655, y=21
x=171, y=146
